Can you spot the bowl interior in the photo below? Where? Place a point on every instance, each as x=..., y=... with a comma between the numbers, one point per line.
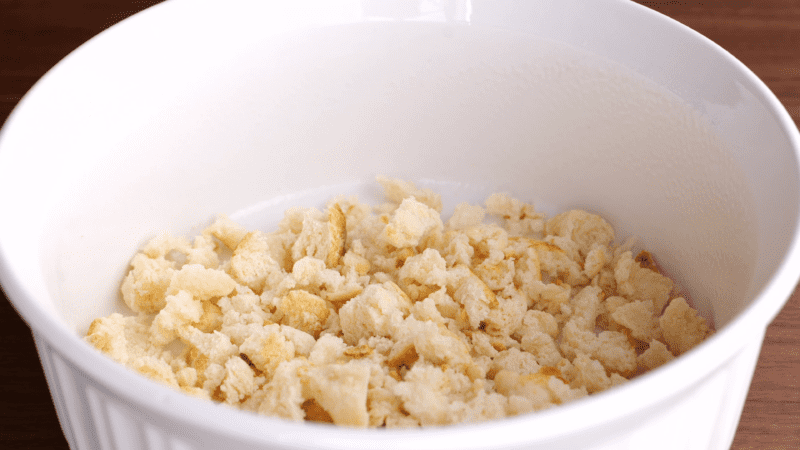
x=470, y=110
x=161, y=132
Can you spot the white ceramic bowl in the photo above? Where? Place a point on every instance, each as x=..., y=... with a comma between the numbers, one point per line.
x=195, y=107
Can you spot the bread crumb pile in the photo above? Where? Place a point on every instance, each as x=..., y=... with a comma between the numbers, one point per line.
x=389, y=316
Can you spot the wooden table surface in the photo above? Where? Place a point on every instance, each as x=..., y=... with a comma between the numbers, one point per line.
x=764, y=34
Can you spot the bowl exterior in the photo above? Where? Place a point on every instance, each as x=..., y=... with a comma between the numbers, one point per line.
x=95, y=416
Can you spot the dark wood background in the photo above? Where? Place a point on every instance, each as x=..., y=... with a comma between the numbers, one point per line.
x=764, y=34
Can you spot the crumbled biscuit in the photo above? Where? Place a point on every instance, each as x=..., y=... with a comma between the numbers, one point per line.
x=518, y=218
x=215, y=346
x=180, y=310
x=586, y=305
x=124, y=339
x=314, y=239
x=398, y=190
x=337, y=235
x=390, y=316
x=341, y=390
x=589, y=373
x=549, y=297
x=303, y=342
x=638, y=316
x=144, y=287
x=542, y=389
x=683, y=328
x=507, y=317
x=201, y=283
x=238, y=320
x=535, y=320
x=584, y=229
x=476, y=298
x=210, y=319
x=656, y=355
x=283, y=395
x=227, y=231
x=515, y=360
x=426, y=311
x=403, y=355
x=382, y=404
x=358, y=352
x=566, y=245
x=609, y=347
x=411, y=222
x=252, y=265
x=422, y=274
x=267, y=348
x=437, y=345
x=240, y=381
x=555, y=262
x=639, y=283
x=156, y=369
x=202, y=252
x=496, y=274
x=457, y=250
x=356, y=262
x=542, y=346
x=597, y=257
x=465, y=216
x=428, y=393
x=375, y=312
x=327, y=349
x=304, y=311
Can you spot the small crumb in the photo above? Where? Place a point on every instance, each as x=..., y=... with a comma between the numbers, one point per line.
x=391, y=316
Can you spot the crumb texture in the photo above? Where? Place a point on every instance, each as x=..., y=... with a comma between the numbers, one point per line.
x=391, y=316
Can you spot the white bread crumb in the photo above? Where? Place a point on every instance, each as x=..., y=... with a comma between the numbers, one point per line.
x=392, y=317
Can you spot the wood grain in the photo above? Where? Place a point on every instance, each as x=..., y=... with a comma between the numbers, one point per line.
x=763, y=34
